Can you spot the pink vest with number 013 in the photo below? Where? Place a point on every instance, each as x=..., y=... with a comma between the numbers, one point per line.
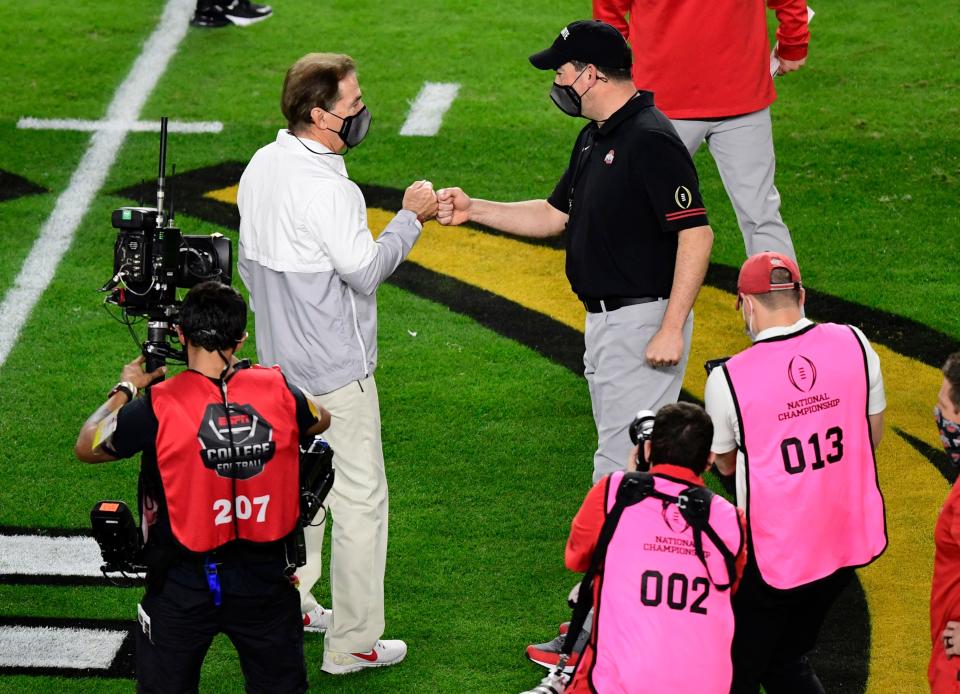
x=661, y=624
x=813, y=501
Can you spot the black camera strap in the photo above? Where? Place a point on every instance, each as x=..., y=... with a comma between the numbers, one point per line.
x=634, y=488
x=694, y=504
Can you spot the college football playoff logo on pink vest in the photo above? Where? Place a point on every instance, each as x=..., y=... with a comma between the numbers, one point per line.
x=813, y=500
x=657, y=603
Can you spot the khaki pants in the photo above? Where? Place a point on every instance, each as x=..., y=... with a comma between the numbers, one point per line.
x=358, y=508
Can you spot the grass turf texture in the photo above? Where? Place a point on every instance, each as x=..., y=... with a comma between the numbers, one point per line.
x=488, y=444
x=472, y=526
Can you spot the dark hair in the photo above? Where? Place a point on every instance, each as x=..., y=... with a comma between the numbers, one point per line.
x=682, y=434
x=313, y=81
x=213, y=316
x=951, y=371
x=614, y=74
x=780, y=298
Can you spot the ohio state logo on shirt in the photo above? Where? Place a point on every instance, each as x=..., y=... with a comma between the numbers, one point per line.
x=253, y=445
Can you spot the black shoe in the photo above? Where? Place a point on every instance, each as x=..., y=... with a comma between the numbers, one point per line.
x=262, y=10
x=243, y=12
x=212, y=18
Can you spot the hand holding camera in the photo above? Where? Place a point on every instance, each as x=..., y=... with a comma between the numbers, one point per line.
x=641, y=429
x=134, y=373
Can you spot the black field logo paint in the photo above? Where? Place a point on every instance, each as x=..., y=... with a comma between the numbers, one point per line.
x=13, y=186
x=802, y=373
x=550, y=337
x=237, y=443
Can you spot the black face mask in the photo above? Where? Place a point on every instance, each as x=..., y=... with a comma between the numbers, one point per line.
x=566, y=97
x=354, y=128
x=949, y=436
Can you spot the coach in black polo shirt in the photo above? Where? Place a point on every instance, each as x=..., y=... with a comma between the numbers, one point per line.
x=638, y=242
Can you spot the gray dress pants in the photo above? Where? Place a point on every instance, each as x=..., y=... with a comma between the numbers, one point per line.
x=742, y=148
x=621, y=381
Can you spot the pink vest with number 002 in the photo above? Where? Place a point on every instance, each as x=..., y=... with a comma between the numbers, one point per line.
x=661, y=624
x=813, y=500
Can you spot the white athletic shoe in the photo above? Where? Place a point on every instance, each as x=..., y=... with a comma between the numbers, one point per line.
x=384, y=653
x=317, y=619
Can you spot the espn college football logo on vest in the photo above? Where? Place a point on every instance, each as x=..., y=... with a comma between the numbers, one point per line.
x=253, y=444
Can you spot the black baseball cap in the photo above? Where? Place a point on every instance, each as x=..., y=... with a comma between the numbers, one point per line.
x=586, y=41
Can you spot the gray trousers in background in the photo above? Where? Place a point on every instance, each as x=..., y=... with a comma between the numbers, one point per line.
x=621, y=381
x=742, y=148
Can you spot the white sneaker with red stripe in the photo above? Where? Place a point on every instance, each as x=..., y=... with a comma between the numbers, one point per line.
x=317, y=619
x=383, y=653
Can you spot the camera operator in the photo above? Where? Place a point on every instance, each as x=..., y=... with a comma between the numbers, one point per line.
x=663, y=580
x=219, y=498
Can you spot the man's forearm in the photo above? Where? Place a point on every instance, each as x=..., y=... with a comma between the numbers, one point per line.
x=85, y=449
x=392, y=247
x=876, y=429
x=726, y=462
x=530, y=218
x=613, y=12
x=693, y=258
x=793, y=32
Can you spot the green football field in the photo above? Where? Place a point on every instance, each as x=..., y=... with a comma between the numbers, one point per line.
x=487, y=427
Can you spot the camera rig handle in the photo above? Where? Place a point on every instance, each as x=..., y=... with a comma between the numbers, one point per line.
x=156, y=350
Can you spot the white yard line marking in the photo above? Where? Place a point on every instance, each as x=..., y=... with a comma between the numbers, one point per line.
x=428, y=109
x=59, y=647
x=57, y=232
x=138, y=126
x=39, y=555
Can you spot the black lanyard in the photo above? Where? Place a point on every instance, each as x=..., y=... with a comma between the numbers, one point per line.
x=582, y=156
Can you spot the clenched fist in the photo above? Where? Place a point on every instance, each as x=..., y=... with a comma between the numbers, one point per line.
x=420, y=199
x=454, y=206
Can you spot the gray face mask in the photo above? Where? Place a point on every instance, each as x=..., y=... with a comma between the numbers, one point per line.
x=566, y=97
x=354, y=128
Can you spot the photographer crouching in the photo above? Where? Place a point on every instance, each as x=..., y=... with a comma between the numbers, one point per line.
x=661, y=555
x=219, y=498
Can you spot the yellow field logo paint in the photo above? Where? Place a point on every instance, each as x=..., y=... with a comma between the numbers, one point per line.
x=897, y=586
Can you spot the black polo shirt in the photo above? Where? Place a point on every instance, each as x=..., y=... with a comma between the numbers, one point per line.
x=633, y=187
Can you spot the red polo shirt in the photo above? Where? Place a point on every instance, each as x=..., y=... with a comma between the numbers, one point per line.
x=706, y=58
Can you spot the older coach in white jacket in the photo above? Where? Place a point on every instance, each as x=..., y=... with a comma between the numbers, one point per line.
x=313, y=268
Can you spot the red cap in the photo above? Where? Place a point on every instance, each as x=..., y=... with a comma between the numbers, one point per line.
x=755, y=274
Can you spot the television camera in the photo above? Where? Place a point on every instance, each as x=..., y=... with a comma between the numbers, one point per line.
x=152, y=259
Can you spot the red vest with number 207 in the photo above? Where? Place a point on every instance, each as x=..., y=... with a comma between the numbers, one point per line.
x=218, y=491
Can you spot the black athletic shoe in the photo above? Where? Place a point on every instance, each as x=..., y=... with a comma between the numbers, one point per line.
x=212, y=18
x=243, y=12
x=263, y=10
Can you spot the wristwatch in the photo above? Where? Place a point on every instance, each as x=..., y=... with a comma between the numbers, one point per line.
x=125, y=387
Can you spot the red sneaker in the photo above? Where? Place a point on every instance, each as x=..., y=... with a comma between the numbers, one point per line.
x=548, y=654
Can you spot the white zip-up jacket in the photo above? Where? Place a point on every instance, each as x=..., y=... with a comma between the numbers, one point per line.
x=311, y=265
